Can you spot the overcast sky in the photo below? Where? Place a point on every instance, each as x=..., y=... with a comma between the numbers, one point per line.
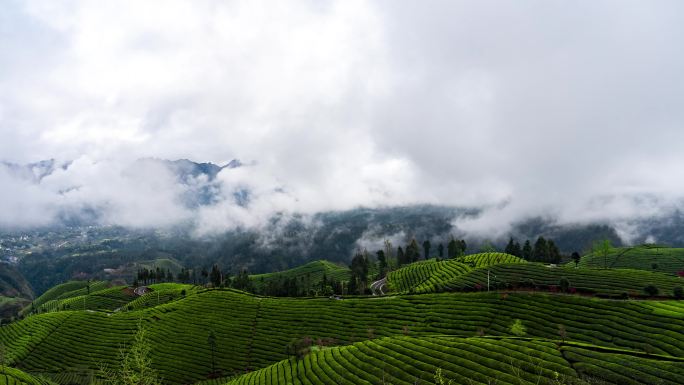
x=573, y=109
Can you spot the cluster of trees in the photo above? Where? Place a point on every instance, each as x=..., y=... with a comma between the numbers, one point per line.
x=150, y=276
x=298, y=287
x=358, y=283
x=543, y=250
x=390, y=258
x=219, y=278
x=412, y=253
x=214, y=276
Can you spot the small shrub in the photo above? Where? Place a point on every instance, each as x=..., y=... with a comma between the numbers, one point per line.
x=517, y=328
x=440, y=379
x=678, y=292
x=651, y=290
x=562, y=332
x=564, y=285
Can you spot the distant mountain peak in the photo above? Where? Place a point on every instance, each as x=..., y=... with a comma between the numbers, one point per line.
x=235, y=163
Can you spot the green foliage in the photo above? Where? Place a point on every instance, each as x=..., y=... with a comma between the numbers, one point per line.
x=651, y=290
x=425, y=276
x=536, y=276
x=309, y=279
x=668, y=260
x=439, y=378
x=412, y=252
x=448, y=360
x=517, y=328
x=527, y=251
x=135, y=367
x=564, y=285
x=603, y=249
x=456, y=248
x=426, y=249
x=489, y=259
x=513, y=248
x=359, y=274
x=12, y=376
x=576, y=258
x=678, y=292
x=487, y=247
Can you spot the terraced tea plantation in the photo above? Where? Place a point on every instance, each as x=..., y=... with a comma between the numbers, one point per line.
x=535, y=276
x=253, y=332
x=646, y=257
x=438, y=324
x=432, y=275
x=425, y=276
x=10, y=376
x=475, y=360
x=312, y=271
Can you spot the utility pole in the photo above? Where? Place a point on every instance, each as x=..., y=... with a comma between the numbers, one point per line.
x=487, y=279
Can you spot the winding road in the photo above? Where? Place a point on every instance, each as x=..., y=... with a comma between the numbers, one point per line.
x=378, y=287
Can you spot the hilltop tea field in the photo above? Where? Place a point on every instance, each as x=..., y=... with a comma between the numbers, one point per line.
x=476, y=319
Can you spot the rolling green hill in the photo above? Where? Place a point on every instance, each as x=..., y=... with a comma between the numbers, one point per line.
x=311, y=272
x=645, y=257
x=424, y=276
x=475, y=360
x=161, y=293
x=253, y=332
x=107, y=299
x=61, y=291
x=68, y=293
x=434, y=276
x=489, y=259
x=536, y=276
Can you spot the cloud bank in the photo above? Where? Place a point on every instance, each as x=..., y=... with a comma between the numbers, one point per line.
x=569, y=110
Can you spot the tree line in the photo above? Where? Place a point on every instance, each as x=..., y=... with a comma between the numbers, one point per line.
x=543, y=250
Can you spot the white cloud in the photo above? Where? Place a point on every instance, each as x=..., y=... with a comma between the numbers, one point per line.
x=535, y=107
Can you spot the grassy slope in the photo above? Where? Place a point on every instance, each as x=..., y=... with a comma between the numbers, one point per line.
x=161, y=293
x=71, y=295
x=58, y=291
x=489, y=259
x=314, y=271
x=537, y=276
x=476, y=360
x=423, y=276
x=432, y=275
x=668, y=260
x=10, y=376
x=252, y=332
